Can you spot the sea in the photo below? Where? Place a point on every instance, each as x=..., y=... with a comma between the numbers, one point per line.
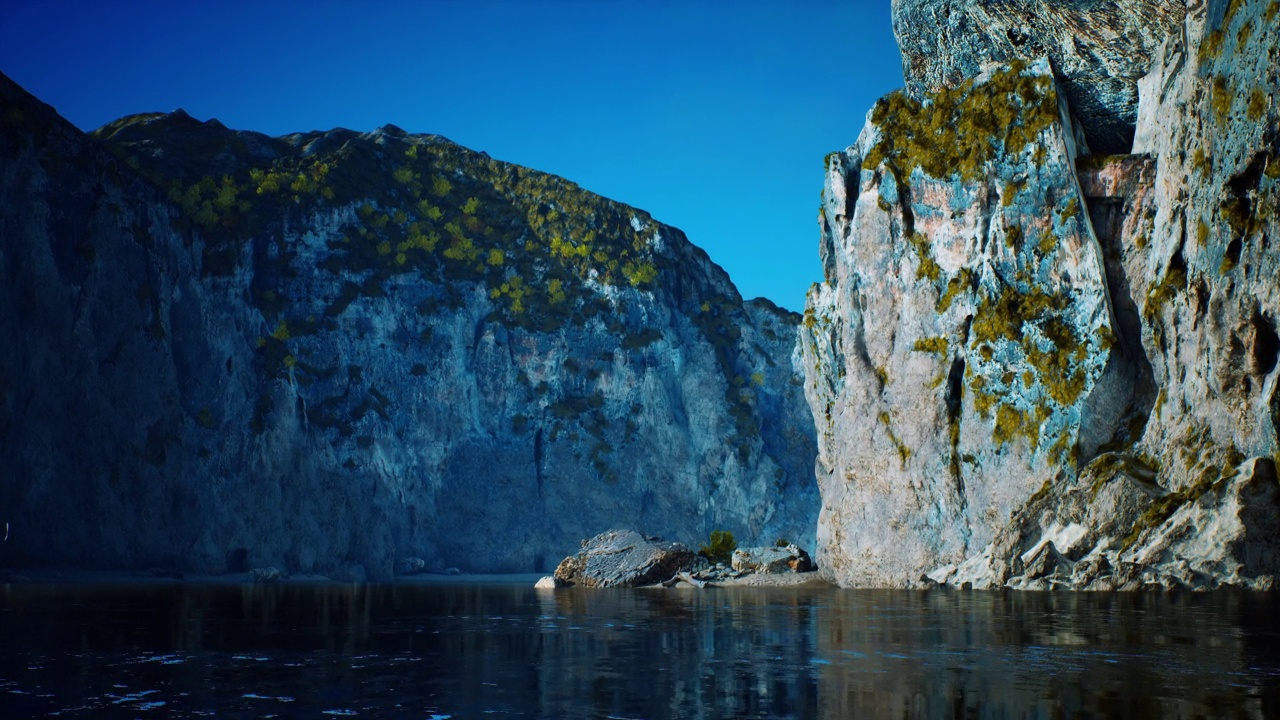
x=498, y=649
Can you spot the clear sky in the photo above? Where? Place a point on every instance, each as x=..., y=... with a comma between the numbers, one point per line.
x=712, y=116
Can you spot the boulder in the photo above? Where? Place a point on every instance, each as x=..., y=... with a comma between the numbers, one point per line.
x=264, y=574
x=1045, y=561
x=789, y=559
x=548, y=582
x=624, y=558
x=410, y=566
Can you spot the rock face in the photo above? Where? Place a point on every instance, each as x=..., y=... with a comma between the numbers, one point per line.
x=328, y=351
x=624, y=558
x=963, y=328
x=1034, y=368
x=1098, y=50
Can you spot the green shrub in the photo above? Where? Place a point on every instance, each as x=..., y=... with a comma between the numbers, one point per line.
x=721, y=548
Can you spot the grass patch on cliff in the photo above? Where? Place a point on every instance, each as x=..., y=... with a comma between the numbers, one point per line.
x=958, y=131
x=1170, y=286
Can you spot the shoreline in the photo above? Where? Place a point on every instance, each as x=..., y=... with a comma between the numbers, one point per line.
x=69, y=577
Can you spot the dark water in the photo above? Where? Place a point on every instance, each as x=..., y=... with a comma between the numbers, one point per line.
x=463, y=651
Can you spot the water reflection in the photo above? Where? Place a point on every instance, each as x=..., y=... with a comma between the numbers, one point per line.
x=467, y=650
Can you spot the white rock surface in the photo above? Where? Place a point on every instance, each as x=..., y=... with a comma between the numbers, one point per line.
x=1161, y=472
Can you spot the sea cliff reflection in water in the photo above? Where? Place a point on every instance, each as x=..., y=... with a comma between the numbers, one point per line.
x=470, y=650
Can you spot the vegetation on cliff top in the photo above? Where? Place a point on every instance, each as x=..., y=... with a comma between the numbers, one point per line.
x=545, y=252
x=539, y=243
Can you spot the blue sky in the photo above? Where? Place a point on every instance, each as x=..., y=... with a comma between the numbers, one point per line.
x=712, y=116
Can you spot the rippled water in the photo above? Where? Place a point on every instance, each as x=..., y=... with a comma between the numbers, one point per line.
x=462, y=651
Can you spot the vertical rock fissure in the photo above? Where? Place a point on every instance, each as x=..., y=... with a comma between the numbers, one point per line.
x=537, y=459
x=955, y=390
x=1266, y=345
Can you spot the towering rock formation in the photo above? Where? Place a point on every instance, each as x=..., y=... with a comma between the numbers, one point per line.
x=1037, y=367
x=1098, y=50
x=327, y=351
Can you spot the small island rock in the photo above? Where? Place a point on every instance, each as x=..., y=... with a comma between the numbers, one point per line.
x=624, y=558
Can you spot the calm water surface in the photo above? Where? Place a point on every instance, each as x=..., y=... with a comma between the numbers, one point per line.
x=464, y=651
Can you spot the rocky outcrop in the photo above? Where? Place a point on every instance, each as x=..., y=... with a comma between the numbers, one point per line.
x=963, y=328
x=1098, y=51
x=1036, y=368
x=326, y=352
x=624, y=558
x=1197, y=251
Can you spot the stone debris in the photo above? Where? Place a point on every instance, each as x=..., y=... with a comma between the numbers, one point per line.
x=264, y=574
x=410, y=566
x=789, y=558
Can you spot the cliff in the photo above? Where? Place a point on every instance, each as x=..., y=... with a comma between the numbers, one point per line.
x=1098, y=51
x=1035, y=366
x=331, y=351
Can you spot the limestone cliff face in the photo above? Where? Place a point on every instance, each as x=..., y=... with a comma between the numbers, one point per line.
x=1098, y=50
x=329, y=351
x=1035, y=368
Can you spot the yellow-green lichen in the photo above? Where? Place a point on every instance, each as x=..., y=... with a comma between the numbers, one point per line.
x=982, y=400
x=928, y=268
x=1221, y=98
x=1212, y=465
x=1060, y=453
x=1011, y=190
x=904, y=452
x=1162, y=508
x=1012, y=423
x=1257, y=106
x=1072, y=209
x=931, y=345
x=1052, y=348
x=1243, y=36
x=963, y=281
x=1013, y=236
x=1200, y=161
x=1005, y=315
x=1210, y=46
x=1040, y=494
x=1048, y=241
x=956, y=131
x=1233, y=6
x=1173, y=283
